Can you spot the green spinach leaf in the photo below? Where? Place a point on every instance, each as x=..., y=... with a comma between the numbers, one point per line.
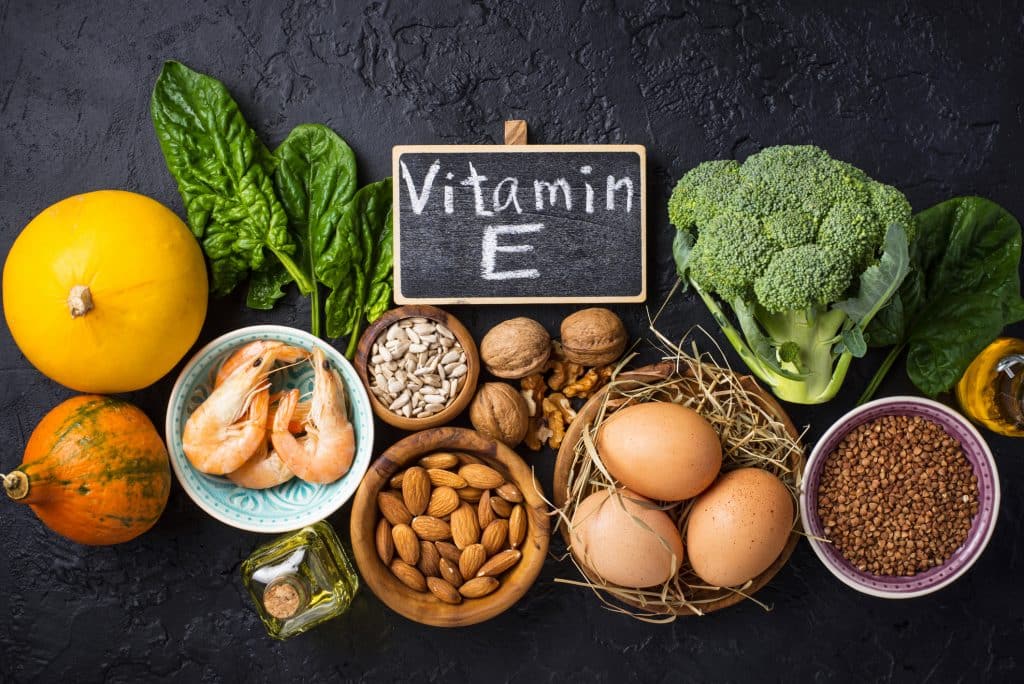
x=963, y=289
x=223, y=173
x=356, y=264
x=315, y=179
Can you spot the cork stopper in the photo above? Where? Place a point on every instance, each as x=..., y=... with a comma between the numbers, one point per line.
x=285, y=597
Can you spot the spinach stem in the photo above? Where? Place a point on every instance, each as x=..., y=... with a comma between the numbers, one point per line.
x=883, y=370
x=353, y=339
x=301, y=279
x=314, y=302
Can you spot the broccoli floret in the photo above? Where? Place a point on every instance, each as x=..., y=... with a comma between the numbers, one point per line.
x=891, y=206
x=782, y=238
x=702, y=193
x=791, y=228
x=854, y=231
x=731, y=254
x=802, y=277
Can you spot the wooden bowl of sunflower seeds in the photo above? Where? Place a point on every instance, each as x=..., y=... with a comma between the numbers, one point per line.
x=449, y=527
x=420, y=366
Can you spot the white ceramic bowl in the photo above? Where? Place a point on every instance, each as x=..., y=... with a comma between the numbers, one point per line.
x=978, y=455
x=295, y=503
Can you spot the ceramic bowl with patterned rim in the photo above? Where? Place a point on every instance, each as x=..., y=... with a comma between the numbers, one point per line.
x=978, y=455
x=295, y=503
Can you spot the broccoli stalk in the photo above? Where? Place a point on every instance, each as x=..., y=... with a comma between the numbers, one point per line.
x=815, y=374
x=804, y=249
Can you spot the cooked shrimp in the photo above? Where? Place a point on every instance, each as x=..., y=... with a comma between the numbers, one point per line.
x=285, y=353
x=229, y=426
x=326, y=451
x=264, y=469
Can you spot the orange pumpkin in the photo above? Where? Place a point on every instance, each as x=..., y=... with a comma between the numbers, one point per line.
x=95, y=470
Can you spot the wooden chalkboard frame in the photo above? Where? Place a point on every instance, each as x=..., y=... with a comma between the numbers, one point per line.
x=398, y=150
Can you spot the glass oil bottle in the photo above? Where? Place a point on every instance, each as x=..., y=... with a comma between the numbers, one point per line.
x=300, y=580
x=991, y=391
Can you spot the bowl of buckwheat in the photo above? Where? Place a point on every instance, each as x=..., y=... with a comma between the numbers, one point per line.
x=419, y=365
x=900, y=497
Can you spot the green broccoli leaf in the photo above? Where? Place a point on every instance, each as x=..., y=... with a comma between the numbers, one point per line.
x=880, y=281
x=852, y=340
x=223, y=173
x=682, y=250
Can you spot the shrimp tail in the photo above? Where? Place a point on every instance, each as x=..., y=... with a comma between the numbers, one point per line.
x=285, y=410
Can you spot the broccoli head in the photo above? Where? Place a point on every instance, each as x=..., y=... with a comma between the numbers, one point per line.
x=783, y=238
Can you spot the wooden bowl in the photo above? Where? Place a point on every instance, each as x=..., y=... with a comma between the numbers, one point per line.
x=437, y=315
x=424, y=607
x=654, y=373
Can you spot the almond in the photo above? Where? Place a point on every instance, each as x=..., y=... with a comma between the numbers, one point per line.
x=416, y=490
x=470, y=494
x=501, y=507
x=466, y=459
x=509, y=492
x=495, y=536
x=393, y=508
x=443, y=501
x=450, y=571
x=444, y=591
x=430, y=528
x=484, y=512
x=499, y=563
x=449, y=551
x=465, y=528
x=472, y=559
x=396, y=480
x=446, y=478
x=429, y=559
x=440, y=460
x=517, y=526
x=385, y=544
x=478, y=587
x=408, y=575
x=480, y=476
x=406, y=543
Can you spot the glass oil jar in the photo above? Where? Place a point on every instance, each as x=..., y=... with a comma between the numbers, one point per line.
x=300, y=580
x=991, y=391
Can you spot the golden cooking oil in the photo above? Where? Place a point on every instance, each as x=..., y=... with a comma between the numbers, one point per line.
x=300, y=580
x=991, y=391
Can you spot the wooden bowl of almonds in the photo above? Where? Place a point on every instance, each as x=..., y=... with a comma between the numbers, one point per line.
x=449, y=527
x=419, y=365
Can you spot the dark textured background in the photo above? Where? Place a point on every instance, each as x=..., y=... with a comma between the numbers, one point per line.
x=927, y=99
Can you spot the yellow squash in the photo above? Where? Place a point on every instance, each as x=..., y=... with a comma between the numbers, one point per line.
x=105, y=292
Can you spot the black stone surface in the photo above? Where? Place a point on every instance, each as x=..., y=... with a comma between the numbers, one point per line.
x=923, y=95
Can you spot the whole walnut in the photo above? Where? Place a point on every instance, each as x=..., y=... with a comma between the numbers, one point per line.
x=515, y=348
x=593, y=337
x=500, y=412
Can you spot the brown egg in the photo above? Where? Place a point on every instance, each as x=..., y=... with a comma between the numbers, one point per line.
x=739, y=526
x=660, y=450
x=608, y=540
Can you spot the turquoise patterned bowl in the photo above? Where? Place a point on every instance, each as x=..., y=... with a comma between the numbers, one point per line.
x=295, y=503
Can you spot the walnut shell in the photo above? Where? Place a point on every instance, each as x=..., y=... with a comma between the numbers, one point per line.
x=500, y=412
x=593, y=337
x=515, y=348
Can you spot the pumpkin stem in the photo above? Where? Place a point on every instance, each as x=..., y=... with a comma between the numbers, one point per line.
x=79, y=301
x=16, y=484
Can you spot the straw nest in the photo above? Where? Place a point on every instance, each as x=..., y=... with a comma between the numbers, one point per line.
x=755, y=432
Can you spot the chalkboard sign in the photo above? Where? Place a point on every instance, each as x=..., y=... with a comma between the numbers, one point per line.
x=480, y=224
